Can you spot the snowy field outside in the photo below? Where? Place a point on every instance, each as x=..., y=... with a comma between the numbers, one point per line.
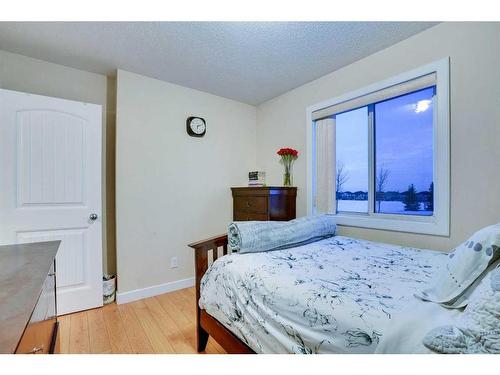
x=386, y=207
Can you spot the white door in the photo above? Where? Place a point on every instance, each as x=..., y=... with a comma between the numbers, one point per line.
x=50, y=188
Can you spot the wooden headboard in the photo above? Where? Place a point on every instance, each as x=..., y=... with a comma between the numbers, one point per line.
x=205, y=252
x=202, y=250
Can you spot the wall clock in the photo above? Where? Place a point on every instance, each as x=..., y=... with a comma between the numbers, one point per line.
x=196, y=126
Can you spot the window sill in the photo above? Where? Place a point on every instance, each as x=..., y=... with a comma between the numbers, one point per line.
x=399, y=223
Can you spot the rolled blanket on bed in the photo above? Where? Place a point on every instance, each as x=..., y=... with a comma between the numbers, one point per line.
x=258, y=236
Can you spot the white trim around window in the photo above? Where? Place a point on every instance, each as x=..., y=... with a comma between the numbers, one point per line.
x=439, y=222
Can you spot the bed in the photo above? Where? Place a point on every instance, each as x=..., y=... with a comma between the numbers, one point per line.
x=410, y=326
x=337, y=295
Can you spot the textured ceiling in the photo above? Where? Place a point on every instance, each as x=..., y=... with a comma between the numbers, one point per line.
x=247, y=61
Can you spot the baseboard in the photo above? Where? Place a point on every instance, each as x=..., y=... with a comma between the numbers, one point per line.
x=152, y=291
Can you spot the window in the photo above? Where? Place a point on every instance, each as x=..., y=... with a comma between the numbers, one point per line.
x=403, y=129
x=380, y=156
x=351, y=155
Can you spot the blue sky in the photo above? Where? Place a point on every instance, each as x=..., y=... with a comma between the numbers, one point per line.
x=352, y=147
x=403, y=140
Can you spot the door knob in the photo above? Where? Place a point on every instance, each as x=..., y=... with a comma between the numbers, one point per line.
x=93, y=217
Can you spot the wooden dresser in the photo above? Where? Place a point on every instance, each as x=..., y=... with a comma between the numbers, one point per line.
x=264, y=203
x=28, y=311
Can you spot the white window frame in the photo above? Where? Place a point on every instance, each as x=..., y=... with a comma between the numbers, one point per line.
x=439, y=222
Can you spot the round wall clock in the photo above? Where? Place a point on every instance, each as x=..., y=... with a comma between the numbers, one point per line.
x=196, y=126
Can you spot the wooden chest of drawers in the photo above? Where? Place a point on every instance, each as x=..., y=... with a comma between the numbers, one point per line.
x=41, y=335
x=264, y=203
x=28, y=310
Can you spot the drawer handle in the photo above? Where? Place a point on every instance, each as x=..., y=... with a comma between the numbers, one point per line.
x=248, y=204
x=36, y=349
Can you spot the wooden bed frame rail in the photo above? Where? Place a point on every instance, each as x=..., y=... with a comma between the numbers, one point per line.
x=206, y=325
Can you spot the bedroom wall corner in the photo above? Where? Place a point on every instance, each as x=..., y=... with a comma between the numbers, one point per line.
x=173, y=189
x=474, y=54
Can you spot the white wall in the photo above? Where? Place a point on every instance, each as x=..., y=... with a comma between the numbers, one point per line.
x=21, y=73
x=474, y=49
x=173, y=189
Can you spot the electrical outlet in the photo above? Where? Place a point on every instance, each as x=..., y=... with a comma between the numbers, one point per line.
x=173, y=262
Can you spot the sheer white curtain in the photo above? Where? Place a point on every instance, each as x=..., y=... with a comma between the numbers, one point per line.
x=325, y=165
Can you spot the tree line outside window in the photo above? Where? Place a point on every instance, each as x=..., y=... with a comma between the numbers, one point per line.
x=411, y=199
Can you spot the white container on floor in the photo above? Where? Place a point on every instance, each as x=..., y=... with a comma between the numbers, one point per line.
x=109, y=288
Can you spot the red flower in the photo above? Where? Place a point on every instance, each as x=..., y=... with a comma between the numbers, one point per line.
x=288, y=151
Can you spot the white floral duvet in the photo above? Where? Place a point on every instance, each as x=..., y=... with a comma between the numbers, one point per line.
x=338, y=295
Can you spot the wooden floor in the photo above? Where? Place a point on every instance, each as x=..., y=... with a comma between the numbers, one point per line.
x=161, y=324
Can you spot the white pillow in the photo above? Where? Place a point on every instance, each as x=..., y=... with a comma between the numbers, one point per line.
x=477, y=330
x=465, y=265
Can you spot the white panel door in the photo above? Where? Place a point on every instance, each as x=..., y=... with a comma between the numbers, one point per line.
x=50, y=188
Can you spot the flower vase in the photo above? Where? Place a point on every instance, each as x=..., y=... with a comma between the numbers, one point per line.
x=287, y=177
x=288, y=156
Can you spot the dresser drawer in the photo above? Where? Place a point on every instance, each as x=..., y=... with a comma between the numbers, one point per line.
x=250, y=204
x=249, y=216
x=40, y=335
x=264, y=203
x=37, y=338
